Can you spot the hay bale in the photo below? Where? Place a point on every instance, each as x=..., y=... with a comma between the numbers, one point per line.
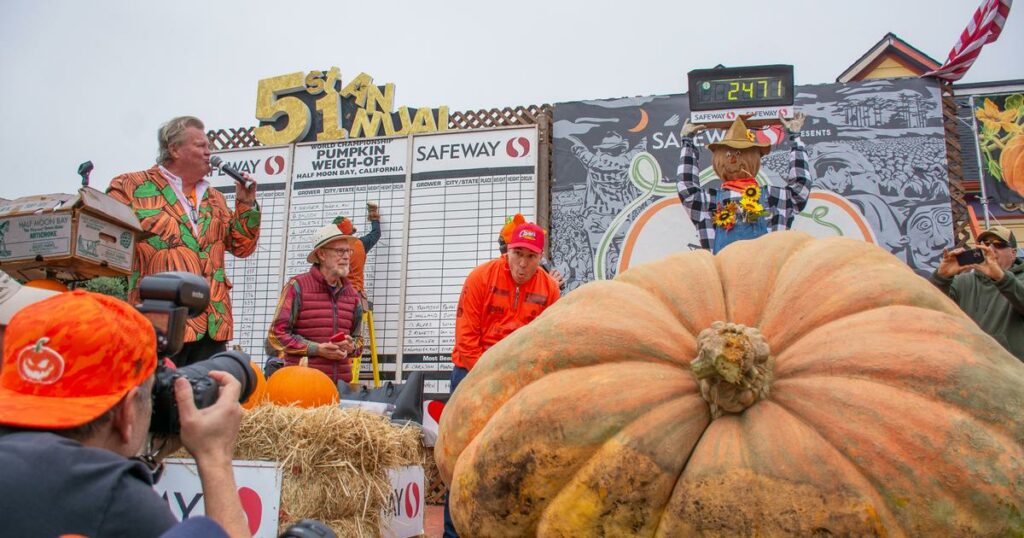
x=334, y=462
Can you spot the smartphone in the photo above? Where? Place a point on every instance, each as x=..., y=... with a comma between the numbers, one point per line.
x=971, y=257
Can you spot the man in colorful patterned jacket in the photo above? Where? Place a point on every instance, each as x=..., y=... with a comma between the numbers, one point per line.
x=319, y=310
x=192, y=228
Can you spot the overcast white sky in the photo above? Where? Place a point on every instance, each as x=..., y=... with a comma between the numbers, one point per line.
x=92, y=80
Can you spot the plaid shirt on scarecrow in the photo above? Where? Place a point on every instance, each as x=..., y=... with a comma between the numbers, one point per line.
x=784, y=203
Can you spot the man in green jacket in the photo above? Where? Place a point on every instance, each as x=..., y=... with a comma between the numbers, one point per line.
x=990, y=292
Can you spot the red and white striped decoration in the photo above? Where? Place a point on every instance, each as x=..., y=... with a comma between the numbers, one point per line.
x=985, y=27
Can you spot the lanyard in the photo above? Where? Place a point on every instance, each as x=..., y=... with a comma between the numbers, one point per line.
x=189, y=202
x=192, y=207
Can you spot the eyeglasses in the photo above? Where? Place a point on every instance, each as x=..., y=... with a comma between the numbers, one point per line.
x=994, y=244
x=338, y=251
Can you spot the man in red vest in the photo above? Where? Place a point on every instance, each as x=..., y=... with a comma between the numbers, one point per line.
x=320, y=310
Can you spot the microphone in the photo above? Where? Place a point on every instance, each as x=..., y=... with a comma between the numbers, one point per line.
x=219, y=164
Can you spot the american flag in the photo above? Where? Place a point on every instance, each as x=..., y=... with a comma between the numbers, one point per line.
x=985, y=27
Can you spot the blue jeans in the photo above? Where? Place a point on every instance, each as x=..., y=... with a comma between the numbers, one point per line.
x=458, y=374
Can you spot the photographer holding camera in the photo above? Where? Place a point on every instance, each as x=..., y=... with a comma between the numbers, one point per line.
x=988, y=288
x=75, y=410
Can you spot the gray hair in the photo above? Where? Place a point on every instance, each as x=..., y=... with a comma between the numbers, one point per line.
x=88, y=430
x=172, y=133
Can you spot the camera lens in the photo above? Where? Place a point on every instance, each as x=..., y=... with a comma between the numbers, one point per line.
x=235, y=363
x=204, y=389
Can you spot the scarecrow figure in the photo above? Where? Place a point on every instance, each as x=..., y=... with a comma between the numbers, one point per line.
x=740, y=208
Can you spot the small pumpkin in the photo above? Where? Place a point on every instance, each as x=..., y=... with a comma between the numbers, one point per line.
x=47, y=284
x=787, y=385
x=259, y=394
x=302, y=386
x=1011, y=162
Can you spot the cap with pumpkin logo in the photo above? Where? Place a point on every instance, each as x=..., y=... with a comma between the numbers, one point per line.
x=70, y=358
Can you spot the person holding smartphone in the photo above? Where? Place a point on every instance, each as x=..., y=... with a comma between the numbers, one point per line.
x=986, y=283
x=319, y=311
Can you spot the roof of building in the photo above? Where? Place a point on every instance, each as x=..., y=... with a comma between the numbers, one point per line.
x=889, y=47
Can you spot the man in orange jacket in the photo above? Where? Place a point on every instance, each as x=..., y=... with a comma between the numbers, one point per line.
x=497, y=298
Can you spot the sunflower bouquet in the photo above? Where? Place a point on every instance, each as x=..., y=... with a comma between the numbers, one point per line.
x=749, y=209
x=725, y=215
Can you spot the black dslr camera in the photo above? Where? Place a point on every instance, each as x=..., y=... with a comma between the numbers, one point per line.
x=168, y=300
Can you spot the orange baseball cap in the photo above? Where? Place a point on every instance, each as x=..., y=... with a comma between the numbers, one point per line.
x=70, y=358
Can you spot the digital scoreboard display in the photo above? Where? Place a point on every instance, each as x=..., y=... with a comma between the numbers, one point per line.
x=741, y=87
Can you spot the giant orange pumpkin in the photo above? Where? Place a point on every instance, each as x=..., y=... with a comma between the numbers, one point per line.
x=302, y=386
x=787, y=385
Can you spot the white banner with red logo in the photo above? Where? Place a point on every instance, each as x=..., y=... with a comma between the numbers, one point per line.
x=442, y=199
x=259, y=488
x=497, y=148
x=256, y=279
x=408, y=503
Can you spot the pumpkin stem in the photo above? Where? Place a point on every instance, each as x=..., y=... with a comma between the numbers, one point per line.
x=733, y=367
x=40, y=343
x=304, y=362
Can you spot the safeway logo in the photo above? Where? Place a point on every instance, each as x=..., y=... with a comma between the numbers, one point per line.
x=409, y=500
x=274, y=165
x=404, y=515
x=518, y=147
x=252, y=504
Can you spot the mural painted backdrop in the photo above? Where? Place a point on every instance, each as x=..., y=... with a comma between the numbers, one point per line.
x=1000, y=129
x=876, y=150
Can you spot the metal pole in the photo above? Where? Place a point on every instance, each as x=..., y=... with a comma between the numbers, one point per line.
x=981, y=169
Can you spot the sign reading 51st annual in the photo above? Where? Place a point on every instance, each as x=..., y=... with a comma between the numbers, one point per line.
x=316, y=106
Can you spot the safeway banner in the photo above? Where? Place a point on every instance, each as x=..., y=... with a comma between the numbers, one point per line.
x=259, y=488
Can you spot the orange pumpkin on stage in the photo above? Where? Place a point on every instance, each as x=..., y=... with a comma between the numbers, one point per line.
x=259, y=394
x=786, y=386
x=302, y=386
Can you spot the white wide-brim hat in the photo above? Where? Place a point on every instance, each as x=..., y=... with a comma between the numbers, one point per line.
x=323, y=236
x=14, y=296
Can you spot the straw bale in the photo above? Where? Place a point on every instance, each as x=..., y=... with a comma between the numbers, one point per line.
x=334, y=462
x=346, y=528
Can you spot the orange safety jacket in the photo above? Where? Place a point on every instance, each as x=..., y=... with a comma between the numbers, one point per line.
x=492, y=306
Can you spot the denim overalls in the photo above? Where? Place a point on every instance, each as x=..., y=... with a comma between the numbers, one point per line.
x=742, y=229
